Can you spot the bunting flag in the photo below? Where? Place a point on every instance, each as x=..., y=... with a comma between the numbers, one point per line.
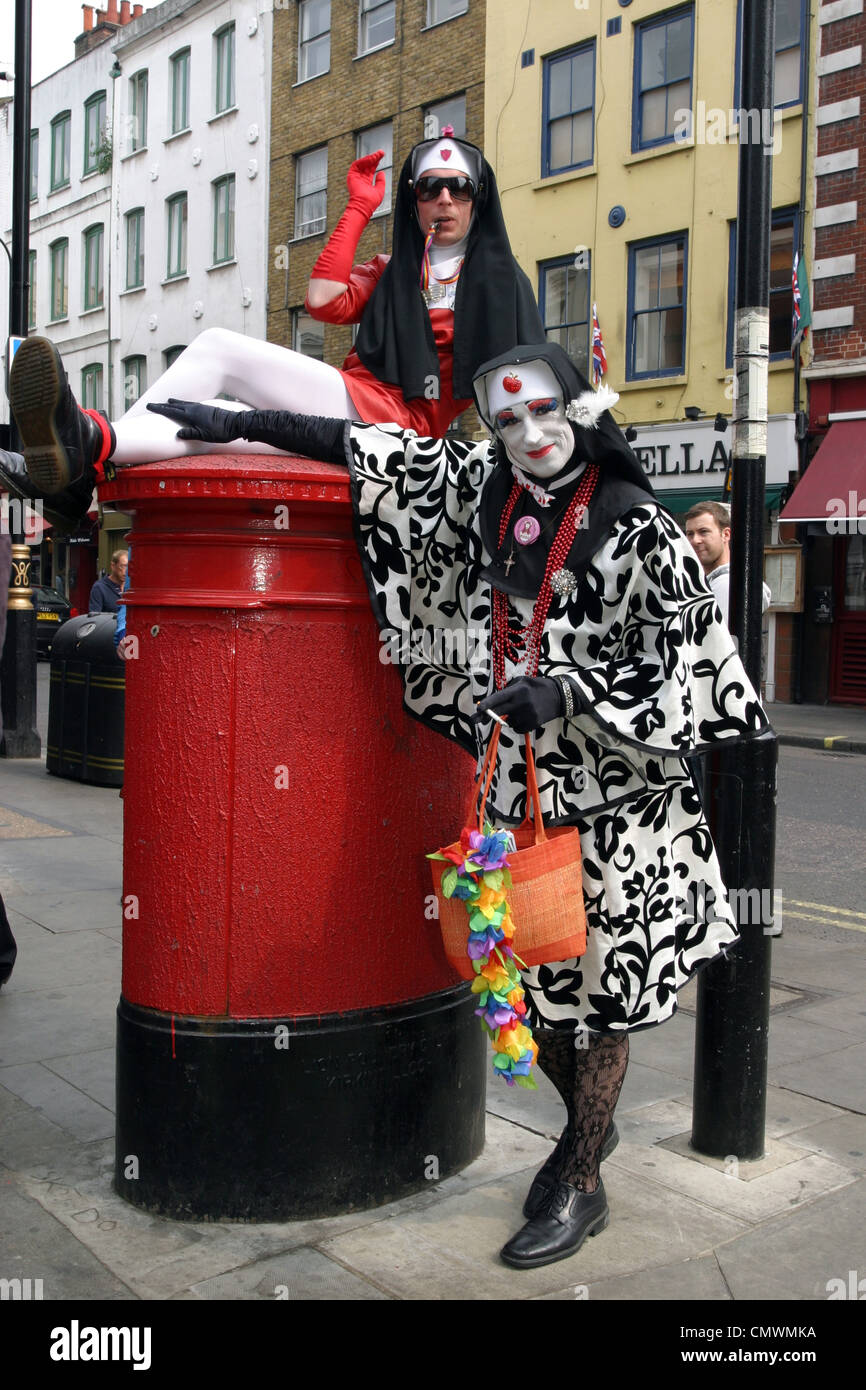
x=801, y=319
x=599, y=360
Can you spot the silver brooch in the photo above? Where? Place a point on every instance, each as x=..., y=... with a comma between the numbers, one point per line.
x=563, y=582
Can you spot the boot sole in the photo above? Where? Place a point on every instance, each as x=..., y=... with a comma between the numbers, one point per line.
x=36, y=390
x=600, y=1224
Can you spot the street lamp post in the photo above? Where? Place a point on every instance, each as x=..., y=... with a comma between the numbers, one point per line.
x=731, y=1035
x=18, y=669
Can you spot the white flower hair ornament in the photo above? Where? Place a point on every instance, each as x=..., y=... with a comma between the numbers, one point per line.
x=587, y=409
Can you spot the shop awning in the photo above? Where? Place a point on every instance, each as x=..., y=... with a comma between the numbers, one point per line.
x=680, y=501
x=835, y=481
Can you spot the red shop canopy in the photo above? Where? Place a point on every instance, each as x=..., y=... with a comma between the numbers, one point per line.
x=834, y=484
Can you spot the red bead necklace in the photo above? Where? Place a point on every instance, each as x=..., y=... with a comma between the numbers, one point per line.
x=524, y=643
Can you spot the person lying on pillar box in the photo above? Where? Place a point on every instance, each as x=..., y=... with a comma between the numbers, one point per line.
x=450, y=296
x=602, y=637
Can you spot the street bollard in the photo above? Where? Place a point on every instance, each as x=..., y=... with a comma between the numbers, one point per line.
x=291, y=1042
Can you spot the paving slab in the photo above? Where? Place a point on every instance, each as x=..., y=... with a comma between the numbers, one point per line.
x=843, y=1139
x=29, y=1141
x=806, y=1178
x=160, y=1258
x=63, y=1104
x=452, y=1251
x=795, y=1256
x=816, y=965
x=683, y=1281
x=91, y=1072
x=34, y=1245
x=670, y=1048
x=56, y=1022
x=72, y=909
x=788, y=1111
x=847, y=1014
x=777, y=1153
x=793, y=1037
x=302, y=1276
x=838, y=1077
x=645, y=1085
x=54, y=960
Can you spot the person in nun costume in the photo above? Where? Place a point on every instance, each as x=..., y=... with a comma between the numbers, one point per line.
x=602, y=637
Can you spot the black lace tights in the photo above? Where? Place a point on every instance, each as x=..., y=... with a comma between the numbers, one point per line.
x=589, y=1078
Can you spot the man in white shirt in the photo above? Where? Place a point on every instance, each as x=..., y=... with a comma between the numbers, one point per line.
x=708, y=528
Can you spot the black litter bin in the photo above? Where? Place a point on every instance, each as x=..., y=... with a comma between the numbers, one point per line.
x=86, y=705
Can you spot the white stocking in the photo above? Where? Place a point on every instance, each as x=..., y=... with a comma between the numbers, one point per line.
x=262, y=375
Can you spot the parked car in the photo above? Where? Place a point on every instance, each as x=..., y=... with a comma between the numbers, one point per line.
x=52, y=610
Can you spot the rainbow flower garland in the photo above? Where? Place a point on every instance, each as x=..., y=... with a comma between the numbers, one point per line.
x=480, y=877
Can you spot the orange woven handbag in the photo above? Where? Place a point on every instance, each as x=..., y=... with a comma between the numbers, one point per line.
x=546, y=897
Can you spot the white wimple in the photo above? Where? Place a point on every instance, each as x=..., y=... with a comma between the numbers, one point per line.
x=587, y=409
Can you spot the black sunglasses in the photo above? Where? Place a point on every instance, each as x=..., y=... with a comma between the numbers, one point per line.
x=461, y=188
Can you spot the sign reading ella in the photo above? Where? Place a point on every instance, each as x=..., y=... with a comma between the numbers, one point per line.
x=672, y=454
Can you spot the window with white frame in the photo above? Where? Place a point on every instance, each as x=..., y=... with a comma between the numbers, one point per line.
x=311, y=192
x=134, y=379
x=94, y=132
x=59, y=251
x=138, y=111
x=91, y=386
x=92, y=257
x=308, y=335
x=179, y=77
x=442, y=113
x=134, y=249
x=61, y=132
x=31, y=291
x=380, y=137
x=314, y=38
x=663, y=58
x=440, y=10
x=224, y=68
x=567, y=101
x=176, y=217
x=224, y=219
x=564, y=303
x=656, y=323
x=34, y=165
x=376, y=24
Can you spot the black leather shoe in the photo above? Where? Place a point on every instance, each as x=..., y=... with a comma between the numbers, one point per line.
x=61, y=442
x=65, y=510
x=569, y=1217
x=545, y=1179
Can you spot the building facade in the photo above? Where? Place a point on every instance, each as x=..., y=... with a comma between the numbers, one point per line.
x=615, y=132
x=149, y=198
x=829, y=504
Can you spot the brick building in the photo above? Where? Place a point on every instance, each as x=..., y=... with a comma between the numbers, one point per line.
x=829, y=657
x=350, y=77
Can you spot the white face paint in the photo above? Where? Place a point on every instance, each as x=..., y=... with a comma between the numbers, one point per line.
x=537, y=436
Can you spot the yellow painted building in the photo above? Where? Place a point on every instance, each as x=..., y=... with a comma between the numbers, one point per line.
x=613, y=129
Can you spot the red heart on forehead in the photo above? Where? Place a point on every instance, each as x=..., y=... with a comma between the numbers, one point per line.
x=512, y=383
x=446, y=154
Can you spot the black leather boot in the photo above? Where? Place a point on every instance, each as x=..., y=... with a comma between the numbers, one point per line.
x=545, y=1179
x=61, y=442
x=569, y=1217
x=65, y=510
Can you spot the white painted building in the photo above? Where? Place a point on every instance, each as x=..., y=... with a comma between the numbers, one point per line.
x=150, y=216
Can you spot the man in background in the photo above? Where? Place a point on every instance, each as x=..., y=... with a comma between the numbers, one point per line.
x=105, y=594
x=708, y=528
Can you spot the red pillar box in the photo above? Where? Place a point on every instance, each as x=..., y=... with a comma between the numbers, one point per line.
x=291, y=1041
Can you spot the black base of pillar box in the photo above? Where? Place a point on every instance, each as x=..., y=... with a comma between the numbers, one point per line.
x=282, y=1119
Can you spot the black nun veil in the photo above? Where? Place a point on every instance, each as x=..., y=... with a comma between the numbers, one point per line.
x=494, y=308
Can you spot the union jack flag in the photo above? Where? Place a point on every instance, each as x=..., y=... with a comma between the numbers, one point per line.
x=599, y=360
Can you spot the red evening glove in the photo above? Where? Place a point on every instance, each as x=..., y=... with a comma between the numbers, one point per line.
x=365, y=194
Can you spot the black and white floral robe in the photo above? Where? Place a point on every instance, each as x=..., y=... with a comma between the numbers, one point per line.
x=659, y=678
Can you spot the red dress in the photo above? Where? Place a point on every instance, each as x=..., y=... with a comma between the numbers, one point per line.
x=380, y=402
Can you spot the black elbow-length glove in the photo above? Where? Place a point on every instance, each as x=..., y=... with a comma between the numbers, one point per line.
x=312, y=435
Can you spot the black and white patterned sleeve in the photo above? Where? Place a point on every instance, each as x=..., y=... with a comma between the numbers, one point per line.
x=653, y=665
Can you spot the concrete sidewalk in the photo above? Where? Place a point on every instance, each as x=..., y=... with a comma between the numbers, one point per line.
x=840, y=728
x=681, y=1228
